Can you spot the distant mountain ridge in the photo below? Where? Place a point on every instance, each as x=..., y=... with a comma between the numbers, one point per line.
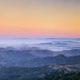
x=60, y=59
x=39, y=52
x=33, y=57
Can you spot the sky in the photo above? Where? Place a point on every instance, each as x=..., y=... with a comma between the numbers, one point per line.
x=58, y=18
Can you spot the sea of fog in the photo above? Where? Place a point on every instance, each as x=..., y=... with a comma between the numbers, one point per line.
x=54, y=44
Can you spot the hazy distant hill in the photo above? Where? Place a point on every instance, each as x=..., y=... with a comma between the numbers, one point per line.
x=60, y=59
x=30, y=57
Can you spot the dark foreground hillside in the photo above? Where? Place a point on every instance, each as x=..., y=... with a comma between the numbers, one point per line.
x=51, y=72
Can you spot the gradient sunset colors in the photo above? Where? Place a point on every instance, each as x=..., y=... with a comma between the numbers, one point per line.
x=58, y=18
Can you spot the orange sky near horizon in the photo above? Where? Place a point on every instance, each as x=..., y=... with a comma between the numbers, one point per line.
x=40, y=18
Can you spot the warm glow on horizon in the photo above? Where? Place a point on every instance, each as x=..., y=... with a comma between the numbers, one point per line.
x=40, y=18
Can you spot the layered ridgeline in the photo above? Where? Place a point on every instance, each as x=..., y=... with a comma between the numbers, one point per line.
x=30, y=52
x=36, y=57
x=42, y=59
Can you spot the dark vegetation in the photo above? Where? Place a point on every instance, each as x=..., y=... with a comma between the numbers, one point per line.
x=63, y=76
x=37, y=74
